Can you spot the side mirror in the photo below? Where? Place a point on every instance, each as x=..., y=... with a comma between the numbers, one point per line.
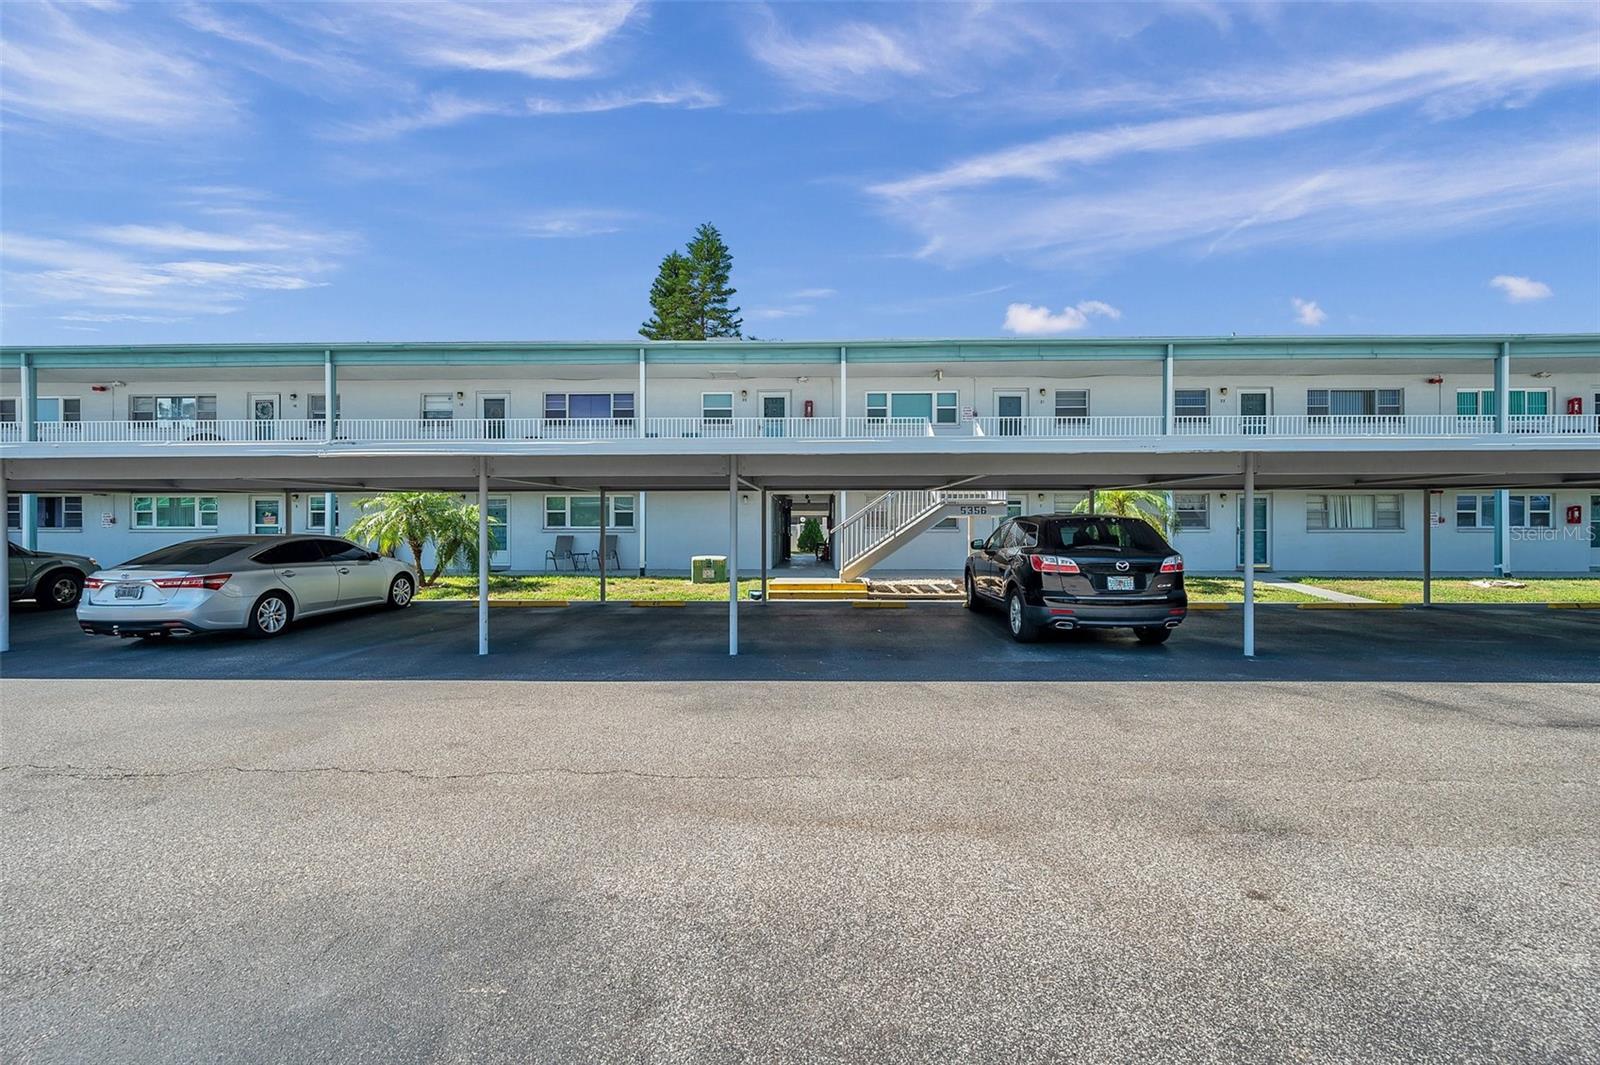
x=373, y=556
x=977, y=545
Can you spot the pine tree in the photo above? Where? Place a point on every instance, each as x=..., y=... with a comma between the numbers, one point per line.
x=713, y=270
x=672, y=300
x=691, y=293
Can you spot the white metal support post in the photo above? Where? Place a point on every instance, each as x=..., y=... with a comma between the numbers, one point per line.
x=5, y=565
x=330, y=405
x=1502, y=497
x=288, y=512
x=483, y=556
x=638, y=408
x=28, y=415
x=844, y=390
x=1168, y=383
x=330, y=515
x=765, y=546
x=1427, y=547
x=602, y=545
x=642, y=509
x=733, y=555
x=1249, y=503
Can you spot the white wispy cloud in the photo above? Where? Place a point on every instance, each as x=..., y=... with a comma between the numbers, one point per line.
x=153, y=272
x=1218, y=205
x=574, y=222
x=813, y=294
x=81, y=68
x=1445, y=79
x=447, y=109
x=775, y=313
x=1521, y=289
x=1307, y=312
x=1025, y=319
x=842, y=59
x=544, y=41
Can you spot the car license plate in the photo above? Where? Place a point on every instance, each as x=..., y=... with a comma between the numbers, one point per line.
x=130, y=591
x=1119, y=584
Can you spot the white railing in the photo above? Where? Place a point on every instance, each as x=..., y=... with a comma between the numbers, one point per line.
x=879, y=520
x=881, y=428
x=480, y=430
x=893, y=513
x=743, y=428
x=1035, y=427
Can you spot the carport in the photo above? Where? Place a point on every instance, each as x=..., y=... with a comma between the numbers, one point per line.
x=757, y=465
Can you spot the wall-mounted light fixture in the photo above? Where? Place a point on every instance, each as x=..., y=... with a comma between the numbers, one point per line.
x=294, y=397
x=744, y=393
x=938, y=375
x=461, y=395
x=1041, y=393
x=1222, y=391
x=1541, y=374
x=802, y=379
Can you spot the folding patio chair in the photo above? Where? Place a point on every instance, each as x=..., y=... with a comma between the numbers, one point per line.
x=613, y=562
x=563, y=552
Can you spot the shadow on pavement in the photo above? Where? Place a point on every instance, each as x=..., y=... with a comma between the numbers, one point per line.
x=827, y=642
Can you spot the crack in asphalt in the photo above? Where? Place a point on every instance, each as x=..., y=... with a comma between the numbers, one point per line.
x=111, y=772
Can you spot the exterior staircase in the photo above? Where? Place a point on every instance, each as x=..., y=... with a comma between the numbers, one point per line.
x=886, y=524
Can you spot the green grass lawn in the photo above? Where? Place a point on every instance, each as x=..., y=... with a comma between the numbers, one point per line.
x=1231, y=590
x=1457, y=590
x=569, y=586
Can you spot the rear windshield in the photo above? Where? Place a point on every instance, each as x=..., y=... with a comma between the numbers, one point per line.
x=181, y=556
x=1109, y=535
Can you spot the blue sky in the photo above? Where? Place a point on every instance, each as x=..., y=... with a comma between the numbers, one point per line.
x=193, y=172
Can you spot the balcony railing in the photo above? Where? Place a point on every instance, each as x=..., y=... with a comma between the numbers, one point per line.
x=422, y=431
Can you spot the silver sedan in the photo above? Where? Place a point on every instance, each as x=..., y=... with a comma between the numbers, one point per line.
x=258, y=584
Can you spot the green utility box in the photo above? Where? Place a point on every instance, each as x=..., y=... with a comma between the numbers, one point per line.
x=709, y=569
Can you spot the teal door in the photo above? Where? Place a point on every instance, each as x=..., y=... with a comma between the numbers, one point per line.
x=1263, y=532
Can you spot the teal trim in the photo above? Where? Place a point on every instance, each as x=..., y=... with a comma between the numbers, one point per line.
x=1551, y=346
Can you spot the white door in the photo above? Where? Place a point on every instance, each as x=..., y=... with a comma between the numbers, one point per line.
x=774, y=412
x=263, y=414
x=1263, y=530
x=266, y=515
x=1009, y=408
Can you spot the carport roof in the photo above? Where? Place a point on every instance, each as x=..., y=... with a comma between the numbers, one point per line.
x=986, y=349
x=861, y=469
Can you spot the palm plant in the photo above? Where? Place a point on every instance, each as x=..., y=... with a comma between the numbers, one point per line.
x=1153, y=507
x=413, y=520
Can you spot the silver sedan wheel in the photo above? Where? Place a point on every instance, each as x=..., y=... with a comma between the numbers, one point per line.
x=402, y=591
x=272, y=615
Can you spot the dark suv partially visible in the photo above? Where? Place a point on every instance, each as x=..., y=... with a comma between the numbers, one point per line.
x=1053, y=571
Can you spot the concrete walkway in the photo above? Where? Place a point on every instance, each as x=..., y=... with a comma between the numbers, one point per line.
x=1312, y=590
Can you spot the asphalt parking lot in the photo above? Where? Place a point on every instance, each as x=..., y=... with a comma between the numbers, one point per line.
x=876, y=835
x=815, y=641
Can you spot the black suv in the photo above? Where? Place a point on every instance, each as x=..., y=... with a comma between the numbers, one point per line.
x=1056, y=571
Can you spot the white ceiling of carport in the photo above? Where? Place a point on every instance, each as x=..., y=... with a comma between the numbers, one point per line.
x=1018, y=470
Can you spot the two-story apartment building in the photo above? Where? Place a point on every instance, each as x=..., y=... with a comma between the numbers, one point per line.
x=1362, y=442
